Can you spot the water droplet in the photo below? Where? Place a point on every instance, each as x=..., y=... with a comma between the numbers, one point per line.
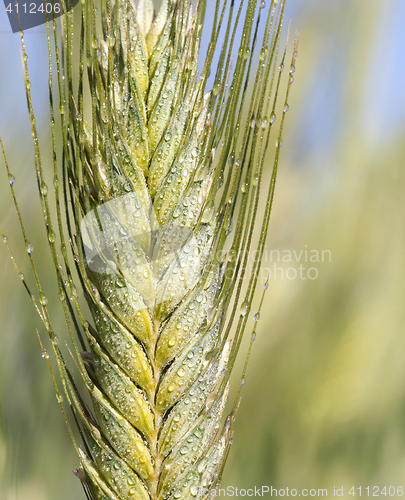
x=120, y=282
x=11, y=179
x=5, y=238
x=45, y=354
x=246, y=53
x=253, y=123
x=51, y=236
x=254, y=337
x=256, y=317
x=244, y=307
x=103, y=114
x=216, y=89
x=273, y=118
x=281, y=68
x=265, y=123
x=292, y=69
x=291, y=80
x=44, y=189
x=286, y=108
x=170, y=388
x=263, y=4
x=194, y=490
x=279, y=143
x=29, y=247
x=243, y=381
x=231, y=257
x=42, y=299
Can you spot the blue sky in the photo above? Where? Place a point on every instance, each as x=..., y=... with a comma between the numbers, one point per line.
x=381, y=99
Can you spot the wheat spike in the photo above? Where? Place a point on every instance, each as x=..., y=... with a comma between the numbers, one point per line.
x=154, y=178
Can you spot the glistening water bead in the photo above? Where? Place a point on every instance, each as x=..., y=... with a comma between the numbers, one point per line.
x=51, y=236
x=29, y=247
x=11, y=179
x=42, y=299
x=244, y=307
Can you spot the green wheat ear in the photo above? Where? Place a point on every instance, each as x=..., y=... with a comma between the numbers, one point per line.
x=154, y=172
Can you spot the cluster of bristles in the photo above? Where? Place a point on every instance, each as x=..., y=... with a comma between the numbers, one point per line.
x=155, y=178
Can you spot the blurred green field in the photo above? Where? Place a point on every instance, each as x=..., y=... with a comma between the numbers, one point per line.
x=324, y=399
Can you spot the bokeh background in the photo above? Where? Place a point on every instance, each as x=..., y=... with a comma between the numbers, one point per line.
x=324, y=399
